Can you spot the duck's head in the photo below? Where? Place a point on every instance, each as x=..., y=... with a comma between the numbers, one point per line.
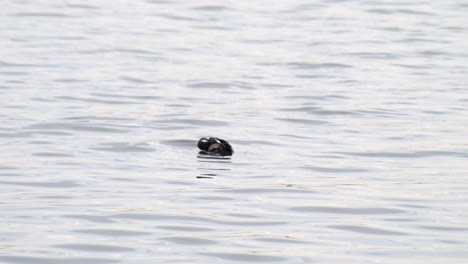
x=204, y=144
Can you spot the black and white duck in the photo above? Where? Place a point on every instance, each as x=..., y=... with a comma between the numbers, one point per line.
x=215, y=146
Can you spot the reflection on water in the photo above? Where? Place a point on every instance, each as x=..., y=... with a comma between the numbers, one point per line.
x=211, y=165
x=348, y=120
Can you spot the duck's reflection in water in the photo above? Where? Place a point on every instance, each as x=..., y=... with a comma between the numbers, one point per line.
x=211, y=166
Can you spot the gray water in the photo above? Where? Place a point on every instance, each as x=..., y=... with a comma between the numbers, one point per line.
x=348, y=120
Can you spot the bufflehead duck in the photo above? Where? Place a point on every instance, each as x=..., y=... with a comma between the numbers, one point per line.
x=215, y=146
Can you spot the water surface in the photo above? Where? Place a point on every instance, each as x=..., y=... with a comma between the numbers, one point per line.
x=348, y=120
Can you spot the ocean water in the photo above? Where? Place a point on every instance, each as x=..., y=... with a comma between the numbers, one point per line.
x=348, y=120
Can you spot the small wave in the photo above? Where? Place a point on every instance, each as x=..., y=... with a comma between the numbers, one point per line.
x=54, y=184
x=446, y=228
x=28, y=65
x=159, y=217
x=92, y=100
x=180, y=143
x=76, y=127
x=416, y=154
x=197, y=219
x=195, y=122
x=91, y=218
x=212, y=8
x=367, y=230
x=137, y=51
x=281, y=241
x=248, y=258
x=95, y=248
x=186, y=228
x=418, y=66
x=189, y=241
x=255, y=142
x=318, y=98
x=303, y=121
x=123, y=147
x=82, y=6
x=319, y=111
x=308, y=66
x=52, y=154
x=335, y=170
x=32, y=260
x=178, y=18
x=423, y=40
x=33, y=14
x=69, y=80
x=8, y=168
x=16, y=135
x=401, y=11
x=375, y=55
x=139, y=97
x=220, y=85
x=112, y=232
x=135, y=80
x=346, y=210
x=288, y=190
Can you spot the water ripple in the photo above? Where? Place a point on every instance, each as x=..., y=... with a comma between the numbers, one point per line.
x=265, y=190
x=91, y=218
x=48, y=260
x=112, y=232
x=194, y=122
x=55, y=184
x=303, y=121
x=77, y=127
x=402, y=11
x=334, y=170
x=92, y=100
x=20, y=65
x=367, y=230
x=48, y=15
x=123, y=147
x=219, y=85
x=82, y=6
x=415, y=154
x=52, y=154
x=189, y=241
x=94, y=248
x=318, y=111
x=185, y=143
x=311, y=66
x=186, y=228
x=250, y=258
x=179, y=218
x=346, y=210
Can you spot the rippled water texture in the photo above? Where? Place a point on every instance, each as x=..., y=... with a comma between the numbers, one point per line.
x=348, y=120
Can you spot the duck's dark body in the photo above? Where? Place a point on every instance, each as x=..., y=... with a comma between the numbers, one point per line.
x=215, y=146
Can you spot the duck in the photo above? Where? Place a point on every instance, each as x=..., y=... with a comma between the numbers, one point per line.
x=215, y=146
